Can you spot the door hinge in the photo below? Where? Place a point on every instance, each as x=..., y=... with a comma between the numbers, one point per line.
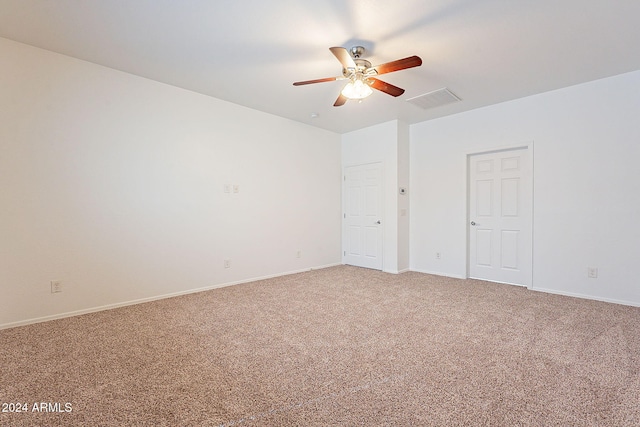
x=344, y=178
x=344, y=253
x=344, y=215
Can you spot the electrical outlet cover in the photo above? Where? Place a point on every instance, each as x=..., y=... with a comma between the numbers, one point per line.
x=56, y=286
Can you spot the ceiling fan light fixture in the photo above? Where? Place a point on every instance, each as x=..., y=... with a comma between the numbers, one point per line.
x=357, y=89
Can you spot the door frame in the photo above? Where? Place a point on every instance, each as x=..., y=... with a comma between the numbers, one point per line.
x=472, y=152
x=344, y=204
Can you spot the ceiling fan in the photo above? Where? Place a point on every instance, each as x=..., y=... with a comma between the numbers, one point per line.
x=361, y=74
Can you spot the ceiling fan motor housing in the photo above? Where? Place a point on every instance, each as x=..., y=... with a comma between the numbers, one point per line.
x=362, y=65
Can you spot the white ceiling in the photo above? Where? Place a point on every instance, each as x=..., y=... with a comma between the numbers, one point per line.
x=251, y=51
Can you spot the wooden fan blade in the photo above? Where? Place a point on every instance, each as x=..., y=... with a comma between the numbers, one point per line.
x=308, y=82
x=385, y=87
x=343, y=56
x=340, y=101
x=400, y=64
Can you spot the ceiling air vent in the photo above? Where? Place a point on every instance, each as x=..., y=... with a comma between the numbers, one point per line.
x=434, y=99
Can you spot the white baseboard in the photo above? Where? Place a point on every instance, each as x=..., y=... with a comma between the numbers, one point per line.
x=583, y=296
x=153, y=298
x=222, y=285
x=549, y=291
x=438, y=273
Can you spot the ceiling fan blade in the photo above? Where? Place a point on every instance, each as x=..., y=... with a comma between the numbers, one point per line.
x=343, y=56
x=340, y=101
x=308, y=82
x=385, y=87
x=400, y=64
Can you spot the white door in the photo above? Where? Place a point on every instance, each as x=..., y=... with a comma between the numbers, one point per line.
x=362, y=216
x=500, y=217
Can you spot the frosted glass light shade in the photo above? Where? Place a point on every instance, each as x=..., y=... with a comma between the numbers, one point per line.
x=357, y=89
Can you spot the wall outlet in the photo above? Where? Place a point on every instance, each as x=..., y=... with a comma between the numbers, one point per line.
x=438, y=255
x=56, y=286
x=236, y=188
x=227, y=188
x=299, y=254
x=227, y=263
x=592, y=272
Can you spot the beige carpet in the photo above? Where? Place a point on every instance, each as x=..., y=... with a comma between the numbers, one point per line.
x=338, y=346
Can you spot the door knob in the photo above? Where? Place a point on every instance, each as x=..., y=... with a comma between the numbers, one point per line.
x=473, y=223
x=378, y=222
